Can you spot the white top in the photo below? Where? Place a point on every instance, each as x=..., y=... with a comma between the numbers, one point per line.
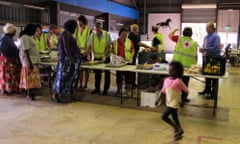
x=28, y=43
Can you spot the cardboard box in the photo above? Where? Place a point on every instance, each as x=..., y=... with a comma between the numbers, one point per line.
x=149, y=98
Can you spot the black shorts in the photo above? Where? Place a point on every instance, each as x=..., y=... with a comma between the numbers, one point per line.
x=127, y=76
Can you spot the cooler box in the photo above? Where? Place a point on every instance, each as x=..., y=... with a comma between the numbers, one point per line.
x=149, y=98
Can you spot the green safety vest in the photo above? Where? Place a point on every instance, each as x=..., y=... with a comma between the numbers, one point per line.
x=186, y=51
x=81, y=38
x=159, y=36
x=99, y=46
x=127, y=48
x=41, y=43
x=54, y=39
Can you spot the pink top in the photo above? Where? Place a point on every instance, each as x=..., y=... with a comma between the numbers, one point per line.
x=173, y=89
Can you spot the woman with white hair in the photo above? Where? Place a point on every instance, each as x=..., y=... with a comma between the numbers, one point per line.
x=9, y=61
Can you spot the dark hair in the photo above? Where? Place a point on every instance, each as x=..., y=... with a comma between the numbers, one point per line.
x=29, y=29
x=83, y=19
x=52, y=26
x=38, y=26
x=187, y=31
x=154, y=28
x=176, y=69
x=70, y=25
x=122, y=30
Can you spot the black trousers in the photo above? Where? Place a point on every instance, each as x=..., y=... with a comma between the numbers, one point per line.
x=209, y=86
x=98, y=77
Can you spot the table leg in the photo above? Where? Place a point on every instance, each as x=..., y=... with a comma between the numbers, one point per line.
x=138, y=97
x=215, y=94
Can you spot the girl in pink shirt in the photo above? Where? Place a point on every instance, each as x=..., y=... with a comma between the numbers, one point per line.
x=172, y=89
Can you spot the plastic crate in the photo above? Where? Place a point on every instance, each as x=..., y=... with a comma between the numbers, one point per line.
x=149, y=98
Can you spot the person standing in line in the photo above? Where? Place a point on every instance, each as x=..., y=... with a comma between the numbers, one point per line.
x=68, y=67
x=134, y=37
x=185, y=52
x=9, y=61
x=172, y=88
x=29, y=57
x=82, y=36
x=100, y=46
x=211, y=47
x=123, y=47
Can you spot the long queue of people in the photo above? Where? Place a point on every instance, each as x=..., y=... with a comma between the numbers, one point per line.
x=19, y=60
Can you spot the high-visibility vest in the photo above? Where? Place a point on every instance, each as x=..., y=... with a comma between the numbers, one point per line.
x=159, y=36
x=186, y=51
x=81, y=38
x=41, y=43
x=54, y=40
x=99, y=45
x=127, y=48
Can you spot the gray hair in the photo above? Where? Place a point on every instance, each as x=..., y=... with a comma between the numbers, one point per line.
x=9, y=28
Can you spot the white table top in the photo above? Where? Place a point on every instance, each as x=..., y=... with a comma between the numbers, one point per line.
x=132, y=68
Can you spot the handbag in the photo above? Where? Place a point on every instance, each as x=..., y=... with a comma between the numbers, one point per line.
x=214, y=65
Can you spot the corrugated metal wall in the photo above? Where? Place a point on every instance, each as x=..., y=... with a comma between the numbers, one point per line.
x=199, y=15
x=21, y=15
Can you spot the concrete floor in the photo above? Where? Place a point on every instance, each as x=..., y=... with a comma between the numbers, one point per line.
x=107, y=122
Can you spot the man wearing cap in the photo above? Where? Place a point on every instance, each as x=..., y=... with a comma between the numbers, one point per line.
x=100, y=43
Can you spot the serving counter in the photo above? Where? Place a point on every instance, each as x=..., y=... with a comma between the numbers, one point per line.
x=133, y=68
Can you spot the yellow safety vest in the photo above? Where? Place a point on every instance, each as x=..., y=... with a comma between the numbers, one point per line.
x=99, y=46
x=186, y=51
x=159, y=36
x=54, y=40
x=41, y=43
x=81, y=38
x=127, y=48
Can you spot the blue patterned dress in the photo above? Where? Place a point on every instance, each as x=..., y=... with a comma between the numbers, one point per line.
x=67, y=74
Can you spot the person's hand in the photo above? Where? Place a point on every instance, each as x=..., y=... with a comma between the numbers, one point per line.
x=104, y=58
x=146, y=49
x=201, y=50
x=88, y=57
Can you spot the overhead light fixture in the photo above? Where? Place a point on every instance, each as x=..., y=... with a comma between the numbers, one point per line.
x=198, y=6
x=99, y=20
x=34, y=7
x=120, y=24
x=5, y=3
x=73, y=15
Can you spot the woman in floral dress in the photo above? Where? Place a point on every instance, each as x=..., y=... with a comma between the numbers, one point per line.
x=29, y=57
x=9, y=61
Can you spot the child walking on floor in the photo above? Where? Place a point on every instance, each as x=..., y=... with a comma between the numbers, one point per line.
x=172, y=88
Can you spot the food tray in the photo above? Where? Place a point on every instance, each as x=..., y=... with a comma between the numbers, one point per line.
x=145, y=66
x=116, y=65
x=92, y=62
x=44, y=52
